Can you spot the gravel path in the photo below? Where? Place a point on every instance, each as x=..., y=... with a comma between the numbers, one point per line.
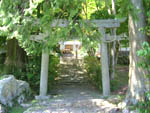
x=73, y=94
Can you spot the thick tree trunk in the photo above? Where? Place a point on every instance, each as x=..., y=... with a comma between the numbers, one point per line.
x=15, y=57
x=136, y=74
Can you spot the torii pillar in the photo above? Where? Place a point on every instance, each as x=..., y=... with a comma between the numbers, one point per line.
x=44, y=76
x=44, y=73
x=104, y=62
x=44, y=69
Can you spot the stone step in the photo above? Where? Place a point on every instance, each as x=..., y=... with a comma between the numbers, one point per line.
x=78, y=106
x=60, y=103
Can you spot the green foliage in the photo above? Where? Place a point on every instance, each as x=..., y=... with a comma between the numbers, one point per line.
x=123, y=59
x=144, y=53
x=93, y=68
x=12, y=70
x=2, y=42
x=114, y=84
x=144, y=107
x=16, y=109
x=22, y=19
x=53, y=70
x=2, y=77
x=33, y=71
x=147, y=12
x=102, y=14
x=2, y=58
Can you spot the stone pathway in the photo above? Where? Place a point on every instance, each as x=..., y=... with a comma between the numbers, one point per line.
x=73, y=94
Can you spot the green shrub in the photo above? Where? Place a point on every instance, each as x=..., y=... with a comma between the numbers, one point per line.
x=114, y=84
x=93, y=68
x=123, y=60
x=16, y=109
x=34, y=68
x=31, y=71
x=2, y=58
x=144, y=107
x=53, y=70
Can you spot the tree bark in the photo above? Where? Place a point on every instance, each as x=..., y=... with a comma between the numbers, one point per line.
x=15, y=57
x=113, y=7
x=136, y=87
x=113, y=50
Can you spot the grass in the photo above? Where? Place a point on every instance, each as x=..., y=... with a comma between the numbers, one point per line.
x=1, y=77
x=2, y=72
x=19, y=109
x=16, y=109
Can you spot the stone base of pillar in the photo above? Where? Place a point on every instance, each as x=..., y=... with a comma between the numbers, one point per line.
x=42, y=97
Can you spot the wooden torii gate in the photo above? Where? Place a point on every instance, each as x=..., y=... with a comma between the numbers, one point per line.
x=101, y=25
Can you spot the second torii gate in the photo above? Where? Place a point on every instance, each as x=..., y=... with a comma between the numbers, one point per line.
x=101, y=25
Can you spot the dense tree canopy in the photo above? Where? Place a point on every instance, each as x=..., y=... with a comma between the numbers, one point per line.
x=20, y=19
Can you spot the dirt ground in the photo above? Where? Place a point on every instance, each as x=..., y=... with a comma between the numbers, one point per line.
x=73, y=93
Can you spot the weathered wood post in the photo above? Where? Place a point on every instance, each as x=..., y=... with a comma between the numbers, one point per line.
x=105, y=66
x=44, y=73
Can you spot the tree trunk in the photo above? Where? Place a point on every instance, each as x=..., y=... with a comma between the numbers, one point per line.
x=113, y=7
x=136, y=86
x=113, y=50
x=108, y=7
x=15, y=57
